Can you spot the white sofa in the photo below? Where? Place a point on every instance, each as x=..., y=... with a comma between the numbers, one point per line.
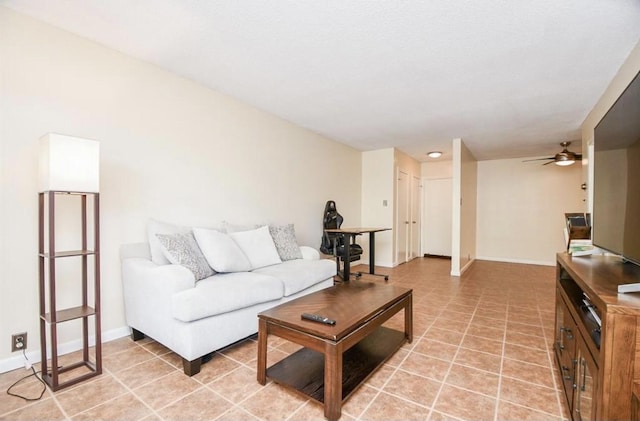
x=196, y=317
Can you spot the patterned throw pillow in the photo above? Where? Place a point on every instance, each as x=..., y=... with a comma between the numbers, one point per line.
x=182, y=249
x=158, y=255
x=284, y=237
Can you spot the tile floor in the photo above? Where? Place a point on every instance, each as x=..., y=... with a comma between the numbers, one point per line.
x=481, y=351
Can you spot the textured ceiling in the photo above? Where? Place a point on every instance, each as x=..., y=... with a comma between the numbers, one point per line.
x=512, y=78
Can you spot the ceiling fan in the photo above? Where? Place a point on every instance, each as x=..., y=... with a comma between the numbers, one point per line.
x=563, y=158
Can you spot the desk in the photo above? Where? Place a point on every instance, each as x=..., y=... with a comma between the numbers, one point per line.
x=349, y=234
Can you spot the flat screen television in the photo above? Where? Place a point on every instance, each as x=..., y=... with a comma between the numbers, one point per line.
x=616, y=166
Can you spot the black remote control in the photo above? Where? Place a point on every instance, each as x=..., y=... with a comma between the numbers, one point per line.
x=318, y=318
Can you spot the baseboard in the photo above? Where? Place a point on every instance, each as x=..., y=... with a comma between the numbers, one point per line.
x=34, y=355
x=436, y=256
x=521, y=261
x=467, y=266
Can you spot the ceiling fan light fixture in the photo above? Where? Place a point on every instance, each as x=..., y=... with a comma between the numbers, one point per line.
x=563, y=158
x=434, y=154
x=564, y=161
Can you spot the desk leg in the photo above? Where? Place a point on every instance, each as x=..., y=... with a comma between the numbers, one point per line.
x=372, y=252
x=262, y=351
x=346, y=239
x=332, y=381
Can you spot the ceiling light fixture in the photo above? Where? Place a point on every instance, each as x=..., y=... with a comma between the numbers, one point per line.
x=564, y=163
x=564, y=159
x=434, y=154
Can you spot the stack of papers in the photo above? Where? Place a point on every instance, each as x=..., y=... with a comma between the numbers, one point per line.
x=583, y=248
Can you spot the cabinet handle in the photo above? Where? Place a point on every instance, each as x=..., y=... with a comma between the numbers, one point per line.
x=565, y=369
x=568, y=333
x=583, y=363
x=561, y=339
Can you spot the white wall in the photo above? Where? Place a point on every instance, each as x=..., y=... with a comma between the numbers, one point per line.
x=463, y=240
x=170, y=149
x=379, y=169
x=437, y=169
x=468, y=206
x=377, y=187
x=521, y=208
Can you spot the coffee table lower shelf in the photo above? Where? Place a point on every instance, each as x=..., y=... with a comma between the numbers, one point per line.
x=303, y=371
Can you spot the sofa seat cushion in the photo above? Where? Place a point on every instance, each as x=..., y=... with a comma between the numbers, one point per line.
x=223, y=293
x=300, y=274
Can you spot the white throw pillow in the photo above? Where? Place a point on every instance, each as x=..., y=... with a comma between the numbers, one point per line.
x=221, y=252
x=258, y=246
x=158, y=227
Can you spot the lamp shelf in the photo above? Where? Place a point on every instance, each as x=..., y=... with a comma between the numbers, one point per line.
x=89, y=309
x=69, y=314
x=77, y=193
x=93, y=371
x=69, y=253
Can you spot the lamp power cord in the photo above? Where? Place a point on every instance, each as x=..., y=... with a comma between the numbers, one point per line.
x=34, y=374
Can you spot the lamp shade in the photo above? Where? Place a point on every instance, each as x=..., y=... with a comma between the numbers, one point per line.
x=69, y=164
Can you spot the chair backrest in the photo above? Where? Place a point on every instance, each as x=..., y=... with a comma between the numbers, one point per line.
x=331, y=220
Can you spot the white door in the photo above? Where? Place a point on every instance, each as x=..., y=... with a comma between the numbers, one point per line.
x=416, y=190
x=402, y=217
x=437, y=216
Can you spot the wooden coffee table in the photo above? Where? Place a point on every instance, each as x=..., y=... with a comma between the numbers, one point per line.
x=335, y=359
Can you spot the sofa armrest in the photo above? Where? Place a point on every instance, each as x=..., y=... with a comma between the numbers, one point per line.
x=171, y=278
x=309, y=253
x=148, y=289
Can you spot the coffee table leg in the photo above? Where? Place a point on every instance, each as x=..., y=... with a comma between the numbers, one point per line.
x=408, y=319
x=262, y=352
x=332, y=381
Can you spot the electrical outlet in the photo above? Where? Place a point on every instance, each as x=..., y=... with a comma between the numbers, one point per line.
x=18, y=341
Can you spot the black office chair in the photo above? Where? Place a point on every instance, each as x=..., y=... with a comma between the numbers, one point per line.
x=333, y=243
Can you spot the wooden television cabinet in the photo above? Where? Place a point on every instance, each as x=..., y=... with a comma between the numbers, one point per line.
x=597, y=363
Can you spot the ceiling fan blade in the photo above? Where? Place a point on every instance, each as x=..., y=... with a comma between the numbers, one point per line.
x=578, y=156
x=550, y=162
x=539, y=159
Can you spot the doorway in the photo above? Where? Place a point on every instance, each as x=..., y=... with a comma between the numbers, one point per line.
x=438, y=195
x=402, y=217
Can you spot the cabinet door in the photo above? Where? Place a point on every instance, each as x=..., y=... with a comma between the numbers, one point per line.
x=402, y=217
x=586, y=387
x=565, y=348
